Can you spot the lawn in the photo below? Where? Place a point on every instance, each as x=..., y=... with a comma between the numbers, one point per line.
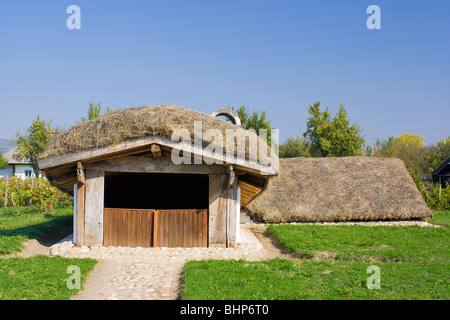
x=19, y=225
x=38, y=277
x=413, y=262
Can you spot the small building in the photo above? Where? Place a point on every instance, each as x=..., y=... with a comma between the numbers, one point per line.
x=157, y=176
x=339, y=189
x=16, y=168
x=442, y=174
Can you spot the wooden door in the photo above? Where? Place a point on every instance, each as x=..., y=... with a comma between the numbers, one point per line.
x=181, y=228
x=128, y=227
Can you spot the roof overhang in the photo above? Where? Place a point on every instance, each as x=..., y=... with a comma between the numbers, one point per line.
x=130, y=147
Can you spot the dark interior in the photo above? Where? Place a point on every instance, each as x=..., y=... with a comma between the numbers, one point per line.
x=156, y=191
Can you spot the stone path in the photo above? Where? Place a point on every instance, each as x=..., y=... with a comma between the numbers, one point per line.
x=148, y=273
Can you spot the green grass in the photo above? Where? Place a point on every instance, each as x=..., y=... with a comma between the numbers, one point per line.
x=16, y=228
x=414, y=264
x=281, y=279
x=39, y=277
x=361, y=243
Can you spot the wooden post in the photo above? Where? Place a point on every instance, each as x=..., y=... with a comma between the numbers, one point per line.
x=217, y=234
x=6, y=190
x=81, y=194
x=93, y=220
x=81, y=176
x=231, y=214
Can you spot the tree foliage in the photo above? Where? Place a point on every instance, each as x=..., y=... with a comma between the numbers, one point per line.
x=438, y=153
x=407, y=147
x=3, y=162
x=94, y=111
x=295, y=147
x=254, y=120
x=332, y=137
x=33, y=142
x=420, y=159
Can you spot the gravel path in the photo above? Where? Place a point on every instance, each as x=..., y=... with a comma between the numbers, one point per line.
x=148, y=273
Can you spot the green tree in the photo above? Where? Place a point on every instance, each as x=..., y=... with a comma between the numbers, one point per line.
x=31, y=144
x=410, y=149
x=438, y=154
x=295, y=147
x=332, y=137
x=254, y=120
x=3, y=162
x=94, y=111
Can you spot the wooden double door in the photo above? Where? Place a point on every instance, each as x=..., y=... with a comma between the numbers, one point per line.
x=155, y=228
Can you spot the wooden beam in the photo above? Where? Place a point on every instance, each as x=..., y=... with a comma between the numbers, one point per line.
x=95, y=185
x=149, y=165
x=231, y=176
x=81, y=194
x=156, y=150
x=231, y=215
x=217, y=233
x=81, y=177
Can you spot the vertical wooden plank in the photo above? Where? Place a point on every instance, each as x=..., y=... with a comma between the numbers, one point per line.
x=176, y=235
x=199, y=217
x=133, y=228
x=81, y=214
x=231, y=214
x=106, y=225
x=122, y=237
x=205, y=228
x=150, y=228
x=74, y=220
x=140, y=242
x=95, y=181
x=165, y=234
x=115, y=229
x=156, y=228
x=217, y=210
x=185, y=228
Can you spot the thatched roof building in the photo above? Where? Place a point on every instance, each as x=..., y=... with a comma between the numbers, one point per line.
x=339, y=189
x=131, y=189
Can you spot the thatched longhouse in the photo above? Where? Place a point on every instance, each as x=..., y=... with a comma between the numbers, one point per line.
x=339, y=189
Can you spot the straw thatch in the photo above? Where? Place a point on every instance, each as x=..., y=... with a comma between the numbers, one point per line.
x=339, y=189
x=134, y=123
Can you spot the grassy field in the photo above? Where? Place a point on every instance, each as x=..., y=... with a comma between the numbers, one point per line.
x=38, y=277
x=332, y=264
x=19, y=226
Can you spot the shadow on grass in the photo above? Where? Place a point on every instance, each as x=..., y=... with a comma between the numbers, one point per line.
x=46, y=233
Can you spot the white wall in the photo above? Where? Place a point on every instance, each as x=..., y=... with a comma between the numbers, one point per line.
x=20, y=171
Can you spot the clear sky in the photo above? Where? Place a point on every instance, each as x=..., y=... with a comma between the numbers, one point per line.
x=279, y=56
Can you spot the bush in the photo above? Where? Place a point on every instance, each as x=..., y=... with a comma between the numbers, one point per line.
x=37, y=192
x=430, y=194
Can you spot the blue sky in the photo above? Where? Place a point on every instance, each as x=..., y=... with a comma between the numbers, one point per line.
x=278, y=56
